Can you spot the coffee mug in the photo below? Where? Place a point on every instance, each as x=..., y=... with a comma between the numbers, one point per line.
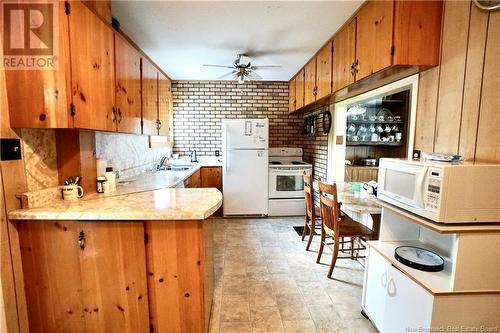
x=72, y=192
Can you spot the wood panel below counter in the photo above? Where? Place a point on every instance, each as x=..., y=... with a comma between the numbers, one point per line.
x=114, y=276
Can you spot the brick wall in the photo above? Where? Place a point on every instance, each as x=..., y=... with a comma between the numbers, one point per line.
x=199, y=107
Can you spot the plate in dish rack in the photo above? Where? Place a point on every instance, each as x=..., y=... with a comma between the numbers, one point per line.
x=419, y=258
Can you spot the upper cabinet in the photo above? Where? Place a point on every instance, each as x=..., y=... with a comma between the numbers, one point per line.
x=165, y=107
x=97, y=82
x=299, y=89
x=128, y=87
x=92, y=71
x=42, y=98
x=310, y=82
x=373, y=38
x=344, y=54
x=324, y=71
x=381, y=35
x=149, y=98
x=291, y=95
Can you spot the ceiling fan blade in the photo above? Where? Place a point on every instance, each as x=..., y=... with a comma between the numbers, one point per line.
x=253, y=76
x=222, y=66
x=265, y=66
x=226, y=75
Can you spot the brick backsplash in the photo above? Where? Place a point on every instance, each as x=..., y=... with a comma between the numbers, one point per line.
x=199, y=107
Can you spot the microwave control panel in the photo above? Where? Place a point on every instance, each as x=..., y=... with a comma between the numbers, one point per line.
x=433, y=189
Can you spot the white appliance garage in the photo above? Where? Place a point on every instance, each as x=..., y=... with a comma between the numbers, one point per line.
x=245, y=144
x=286, y=185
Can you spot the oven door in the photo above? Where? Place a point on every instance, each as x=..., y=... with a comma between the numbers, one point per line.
x=285, y=183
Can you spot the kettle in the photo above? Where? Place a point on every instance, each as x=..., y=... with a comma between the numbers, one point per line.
x=194, y=159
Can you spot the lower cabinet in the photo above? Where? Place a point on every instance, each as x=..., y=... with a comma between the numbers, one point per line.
x=194, y=181
x=212, y=177
x=85, y=276
x=393, y=301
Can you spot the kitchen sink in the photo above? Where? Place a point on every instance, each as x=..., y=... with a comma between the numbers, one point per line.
x=174, y=167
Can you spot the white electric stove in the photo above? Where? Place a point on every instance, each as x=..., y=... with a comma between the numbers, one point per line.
x=286, y=186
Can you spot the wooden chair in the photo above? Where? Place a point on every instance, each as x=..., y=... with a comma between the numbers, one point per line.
x=338, y=227
x=311, y=212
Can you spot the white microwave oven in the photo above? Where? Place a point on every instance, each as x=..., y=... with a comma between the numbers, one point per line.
x=443, y=192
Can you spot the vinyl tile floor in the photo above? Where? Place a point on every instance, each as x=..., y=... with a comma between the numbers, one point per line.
x=265, y=281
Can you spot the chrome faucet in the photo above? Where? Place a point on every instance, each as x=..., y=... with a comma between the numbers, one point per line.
x=161, y=165
x=194, y=159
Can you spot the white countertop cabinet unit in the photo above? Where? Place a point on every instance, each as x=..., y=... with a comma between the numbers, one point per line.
x=464, y=295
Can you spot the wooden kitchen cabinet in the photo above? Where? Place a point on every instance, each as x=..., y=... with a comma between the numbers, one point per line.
x=194, y=181
x=128, y=87
x=101, y=8
x=344, y=54
x=291, y=95
x=373, y=38
x=310, y=82
x=324, y=71
x=212, y=177
x=42, y=98
x=98, y=282
x=299, y=89
x=149, y=98
x=92, y=71
x=165, y=106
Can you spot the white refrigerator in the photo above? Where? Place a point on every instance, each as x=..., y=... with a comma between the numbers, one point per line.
x=245, y=158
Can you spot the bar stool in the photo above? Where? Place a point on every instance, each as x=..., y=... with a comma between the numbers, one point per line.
x=338, y=227
x=312, y=212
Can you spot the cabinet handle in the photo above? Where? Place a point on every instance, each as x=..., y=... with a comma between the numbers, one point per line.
x=158, y=124
x=383, y=279
x=352, y=69
x=119, y=116
x=391, y=288
x=81, y=240
x=356, y=66
x=113, y=114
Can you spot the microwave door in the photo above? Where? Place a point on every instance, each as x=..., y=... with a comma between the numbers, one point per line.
x=404, y=184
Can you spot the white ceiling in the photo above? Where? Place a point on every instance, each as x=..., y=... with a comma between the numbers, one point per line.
x=181, y=36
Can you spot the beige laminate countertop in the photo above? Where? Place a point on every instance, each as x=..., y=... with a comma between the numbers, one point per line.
x=149, y=196
x=162, y=204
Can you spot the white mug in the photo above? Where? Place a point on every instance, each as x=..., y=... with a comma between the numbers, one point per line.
x=72, y=192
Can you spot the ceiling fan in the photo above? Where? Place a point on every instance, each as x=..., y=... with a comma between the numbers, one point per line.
x=242, y=69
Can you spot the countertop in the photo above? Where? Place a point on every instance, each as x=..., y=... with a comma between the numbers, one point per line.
x=162, y=204
x=149, y=196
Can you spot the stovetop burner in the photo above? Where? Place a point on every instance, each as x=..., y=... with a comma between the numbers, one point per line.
x=275, y=163
x=298, y=163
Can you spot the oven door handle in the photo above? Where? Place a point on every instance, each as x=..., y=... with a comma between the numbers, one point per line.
x=287, y=171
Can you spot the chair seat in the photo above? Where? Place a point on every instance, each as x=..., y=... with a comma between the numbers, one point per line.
x=350, y=228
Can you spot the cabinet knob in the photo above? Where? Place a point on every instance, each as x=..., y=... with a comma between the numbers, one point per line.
x=383, y=279
x=119, y=116
x=391, y=288
x=81, y=240
x=158, y=124
x=113, y=114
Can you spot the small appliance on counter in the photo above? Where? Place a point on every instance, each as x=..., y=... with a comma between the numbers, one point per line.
x=245, y=145
x=464, y=192
x=286, y=183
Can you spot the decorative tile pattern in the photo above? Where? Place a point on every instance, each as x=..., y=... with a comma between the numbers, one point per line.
x=40, y=161
x=293, y=293
x=128, y=153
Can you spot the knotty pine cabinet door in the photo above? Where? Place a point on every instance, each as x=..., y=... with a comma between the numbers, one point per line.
x=149, y=98
x=299, y=89
x=310, y=82
x=374, y=38
x=344, y=53
x=41, y=98
x=165, y=106
x=92, y=70
x=324, y=71
x=84, y=276
x=291, y=95
x=128, y=87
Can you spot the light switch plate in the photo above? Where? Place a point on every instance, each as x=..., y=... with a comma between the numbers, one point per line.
x=10, y=149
